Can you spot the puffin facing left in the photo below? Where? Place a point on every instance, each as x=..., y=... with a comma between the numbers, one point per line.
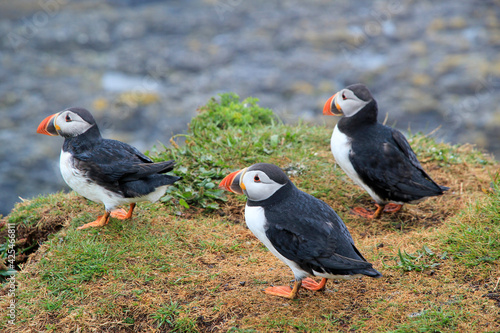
x=102, y=170
x=300, y=230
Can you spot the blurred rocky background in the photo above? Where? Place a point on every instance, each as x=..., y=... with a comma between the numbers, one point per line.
x=143, y=68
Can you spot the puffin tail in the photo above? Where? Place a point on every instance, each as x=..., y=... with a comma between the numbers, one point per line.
x=371, y=272
x=168, y=180
x=444, y=188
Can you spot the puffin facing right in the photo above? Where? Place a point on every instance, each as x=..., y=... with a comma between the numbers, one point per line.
x=299, y=229
x=377, y=157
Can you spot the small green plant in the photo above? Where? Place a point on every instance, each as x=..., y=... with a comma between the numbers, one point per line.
x=230, y=112
x=419, y=261
x=167, y=316
x=210, y=144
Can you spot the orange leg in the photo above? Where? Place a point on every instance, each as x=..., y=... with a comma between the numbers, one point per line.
x=101, y=221
x=284, y=291
x=122, y=214
x=310, y=284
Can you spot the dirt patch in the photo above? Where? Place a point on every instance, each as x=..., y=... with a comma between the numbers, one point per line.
x=30, y=236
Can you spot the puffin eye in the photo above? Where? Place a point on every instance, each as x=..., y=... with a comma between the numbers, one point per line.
x=343, y=96
x=68, y=118
x=256, y=179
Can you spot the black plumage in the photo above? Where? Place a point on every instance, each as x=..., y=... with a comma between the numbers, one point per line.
x=307, y=231
x=380, y=156
x=301, y=230
x=384, y=160
x=117, y=166
x=104, y=170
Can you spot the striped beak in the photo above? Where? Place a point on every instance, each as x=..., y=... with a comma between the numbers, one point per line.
x=48, y=126
x=233, y=183
x=332, y=108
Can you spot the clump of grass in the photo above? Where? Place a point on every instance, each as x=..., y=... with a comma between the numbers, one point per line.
x=225, y=135
x=418, y=261
x=436, y=319
x=230, y=112
x=168, y=316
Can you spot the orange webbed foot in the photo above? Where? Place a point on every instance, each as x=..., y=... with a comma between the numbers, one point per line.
x=389, y=208
x=122, y=214
x=392, y=208
x=284, y=291
x=102, y=220
x=363, y=212
x=310, y=284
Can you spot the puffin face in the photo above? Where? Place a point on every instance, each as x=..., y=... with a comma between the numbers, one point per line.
x=66, y=123
x=348, y=101
x=258, y=182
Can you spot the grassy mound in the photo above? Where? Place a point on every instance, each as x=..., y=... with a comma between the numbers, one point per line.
x=189, y=263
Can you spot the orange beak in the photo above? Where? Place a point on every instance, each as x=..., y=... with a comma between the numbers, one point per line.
x=232, y=182
x=48, y=126
x=330, y=110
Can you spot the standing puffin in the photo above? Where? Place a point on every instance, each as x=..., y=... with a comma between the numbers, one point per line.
x=302, y=231
x=102, y=170
x=377, y=157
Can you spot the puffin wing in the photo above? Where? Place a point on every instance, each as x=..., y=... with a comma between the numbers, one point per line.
x=317, y=241
x=114, y=161
x=405, y=148
x=394, y=172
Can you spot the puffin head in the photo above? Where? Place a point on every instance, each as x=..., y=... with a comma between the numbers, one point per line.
x=348, y=101
x=258, y=182
x=68, y=123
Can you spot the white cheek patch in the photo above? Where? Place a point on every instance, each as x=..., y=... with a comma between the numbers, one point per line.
x=351, y=106
x=258, y=191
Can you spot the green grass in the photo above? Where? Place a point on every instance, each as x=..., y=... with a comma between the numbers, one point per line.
x=418, y=261
x=435, y=319
x=473, y=240
x=189, y=264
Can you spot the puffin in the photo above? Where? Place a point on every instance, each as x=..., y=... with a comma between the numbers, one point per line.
x=302, y=231
x=102, y=170
x=376, y=157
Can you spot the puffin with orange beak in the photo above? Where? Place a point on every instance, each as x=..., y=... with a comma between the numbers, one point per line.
x=106, y=171
x=376, y=157
x=299, y=229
